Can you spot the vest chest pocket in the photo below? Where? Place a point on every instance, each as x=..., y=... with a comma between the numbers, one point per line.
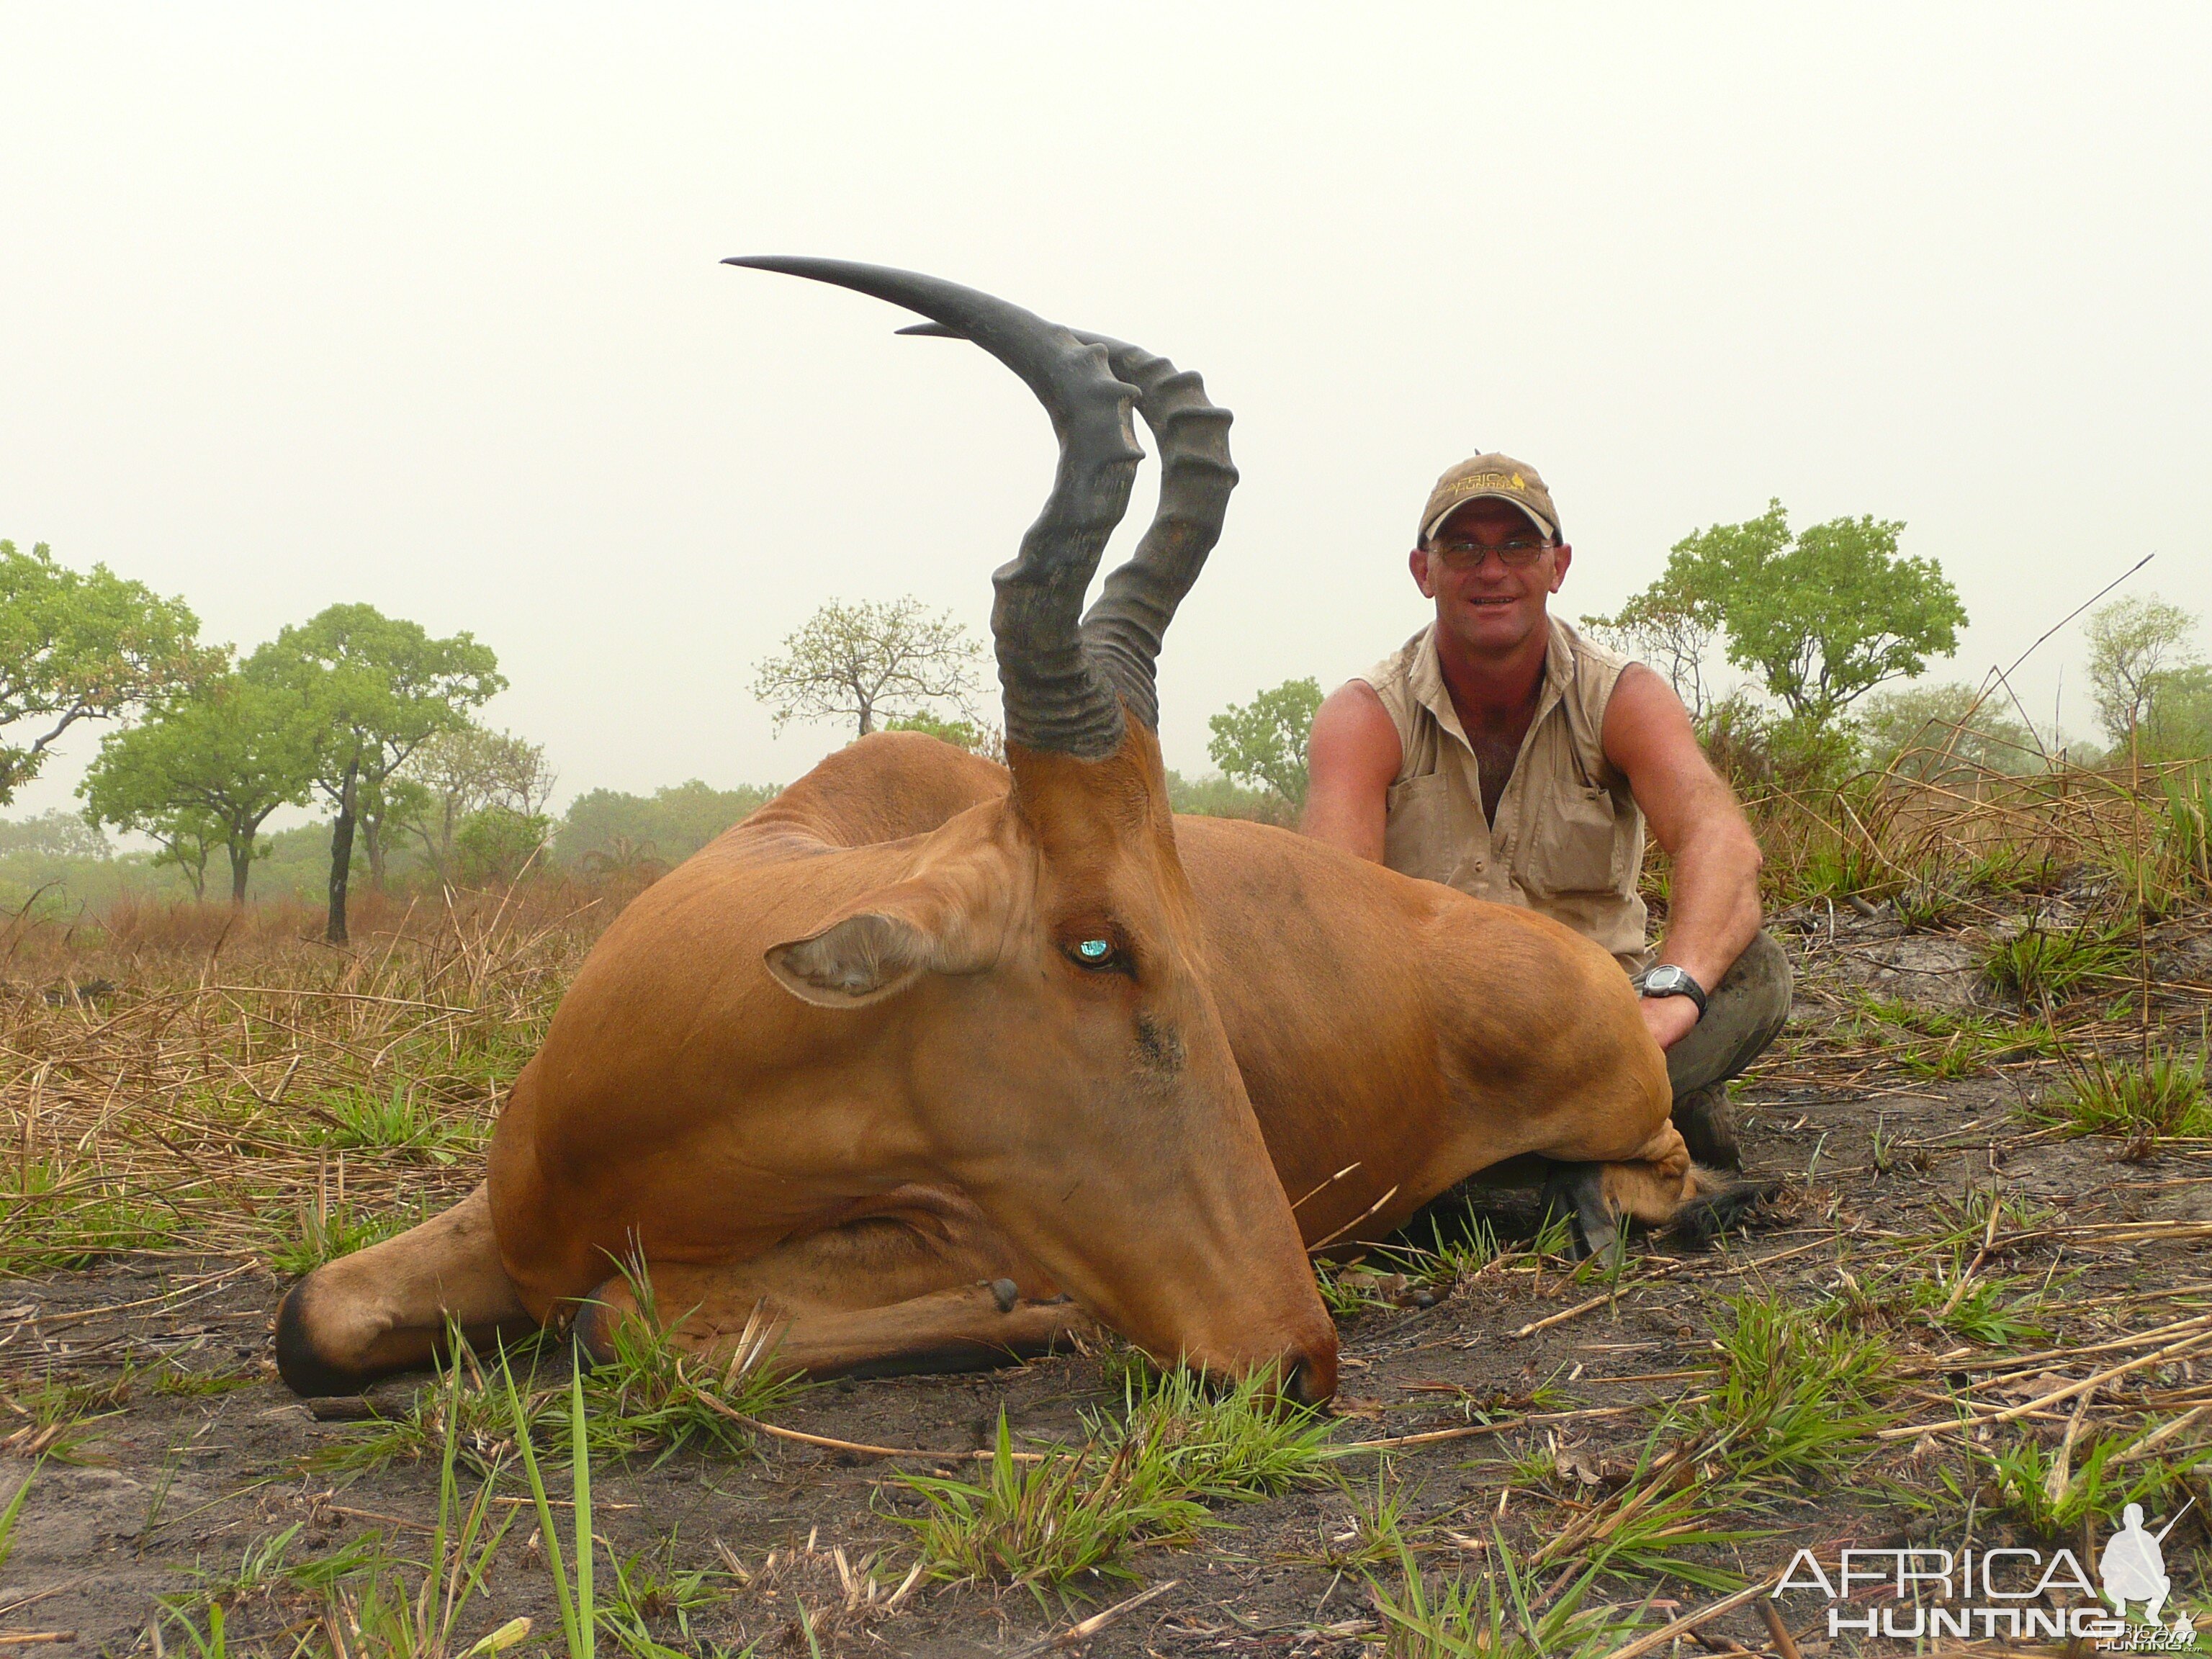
x=1419, y=838
x=1571, y=845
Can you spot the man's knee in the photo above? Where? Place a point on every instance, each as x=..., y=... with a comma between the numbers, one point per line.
x=1743, y=1015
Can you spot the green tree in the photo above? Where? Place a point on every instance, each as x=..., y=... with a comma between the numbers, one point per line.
x=2133, y=644
x=55, y=833
x=189, y=838
x=457, y=773
x=972, y=735
x=1264, y=742
x=206, y=770
x=1823, y=618
x=859, y=660
x=2180, y=723
x=377, y=688
x=386, y=810
x=1215, y=797
x=497, y=843
x=79, y=645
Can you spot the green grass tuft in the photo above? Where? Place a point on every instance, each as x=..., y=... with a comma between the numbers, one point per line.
x=1239, y=1442
x=403, y=1121
x=1939, y=1043
x=462, y=1414
x=47, y=1418
x=2160, y=1097
x=1145, y=1479
x=316, y=1233
x=2030, y=1486
x=2039, y=962
x=649, y=1393
x=54, y=1218
x=1070, y=1515
x=1992, y=1311
x=1504, y=1614
x=650, y=1589
x=1796, y=1399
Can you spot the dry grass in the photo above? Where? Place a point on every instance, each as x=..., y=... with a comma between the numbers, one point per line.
x=190, y=1079
x=1943, y=838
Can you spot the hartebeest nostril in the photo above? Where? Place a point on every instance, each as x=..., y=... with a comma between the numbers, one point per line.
x=1309, y=1380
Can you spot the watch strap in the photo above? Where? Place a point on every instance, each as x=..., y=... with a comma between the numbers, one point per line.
x=1676, y=982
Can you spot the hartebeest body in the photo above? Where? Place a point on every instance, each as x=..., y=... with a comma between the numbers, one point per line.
x=936, y=1058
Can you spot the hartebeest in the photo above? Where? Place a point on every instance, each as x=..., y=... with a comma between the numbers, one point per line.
x=936, y=1059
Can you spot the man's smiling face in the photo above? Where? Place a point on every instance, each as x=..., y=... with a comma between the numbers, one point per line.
x=1490, y=569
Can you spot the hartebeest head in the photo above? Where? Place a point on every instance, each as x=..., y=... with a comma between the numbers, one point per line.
x=1042, y=961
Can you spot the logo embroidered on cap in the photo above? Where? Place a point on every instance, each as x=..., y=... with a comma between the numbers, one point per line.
x=1489, y=481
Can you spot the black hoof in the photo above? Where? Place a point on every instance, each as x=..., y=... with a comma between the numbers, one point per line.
x=1577, y=1191
x=306, y=1372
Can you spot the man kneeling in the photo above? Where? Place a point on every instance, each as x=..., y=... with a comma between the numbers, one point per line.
x=1500, y=752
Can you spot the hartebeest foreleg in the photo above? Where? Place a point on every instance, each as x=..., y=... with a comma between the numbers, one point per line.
x=709, y=1312
x=386, y=1309
x=921, y=1283
x=930, y=1286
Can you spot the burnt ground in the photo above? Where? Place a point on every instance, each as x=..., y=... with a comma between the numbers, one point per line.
x=1881, y=1160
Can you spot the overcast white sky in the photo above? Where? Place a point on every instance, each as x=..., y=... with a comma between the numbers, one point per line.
x=421, y=306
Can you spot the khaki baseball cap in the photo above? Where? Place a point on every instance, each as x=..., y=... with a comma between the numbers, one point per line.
x=1496, y=478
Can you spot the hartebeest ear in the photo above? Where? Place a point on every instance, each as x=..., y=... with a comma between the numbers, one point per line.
x=884, y=943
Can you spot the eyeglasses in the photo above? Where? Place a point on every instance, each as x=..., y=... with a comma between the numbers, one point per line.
x=1513, y=555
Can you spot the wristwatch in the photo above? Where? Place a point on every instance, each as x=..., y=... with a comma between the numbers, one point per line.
x=1668, y=980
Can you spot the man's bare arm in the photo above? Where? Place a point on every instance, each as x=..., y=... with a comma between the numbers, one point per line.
x=1713, y=911
x=1351, y=760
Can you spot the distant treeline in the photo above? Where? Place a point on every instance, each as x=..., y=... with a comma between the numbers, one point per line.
x=606, y=835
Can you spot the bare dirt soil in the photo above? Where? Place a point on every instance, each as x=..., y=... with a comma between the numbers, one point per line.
x=1895, y=1176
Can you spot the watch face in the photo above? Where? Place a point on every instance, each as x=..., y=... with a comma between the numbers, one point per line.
x=1664, y=979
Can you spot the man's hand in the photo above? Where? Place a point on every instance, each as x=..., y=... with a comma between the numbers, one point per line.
x=1670, y=1019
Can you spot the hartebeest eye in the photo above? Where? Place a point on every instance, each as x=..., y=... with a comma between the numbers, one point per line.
x=1097, y=955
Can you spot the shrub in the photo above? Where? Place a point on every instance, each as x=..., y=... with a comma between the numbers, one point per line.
x=1218, y=798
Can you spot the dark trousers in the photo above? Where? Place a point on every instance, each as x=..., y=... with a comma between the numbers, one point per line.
x=1743, y=1014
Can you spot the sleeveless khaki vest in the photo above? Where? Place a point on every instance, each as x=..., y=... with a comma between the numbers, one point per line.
x=1569, y=839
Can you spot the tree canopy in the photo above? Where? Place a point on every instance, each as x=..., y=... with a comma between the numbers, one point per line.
x=80, y=645
x=2134, y=644
x=975, y=737
x=871, y=659
x=1670, y=626
x=1264, y=742
x=206, y=770
x=455, y=775
x=377, y=688
x=2180, y=726
x=1822, y=617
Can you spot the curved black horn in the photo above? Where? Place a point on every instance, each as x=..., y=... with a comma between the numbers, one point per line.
x=1057, y=696
x=1125, y=628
